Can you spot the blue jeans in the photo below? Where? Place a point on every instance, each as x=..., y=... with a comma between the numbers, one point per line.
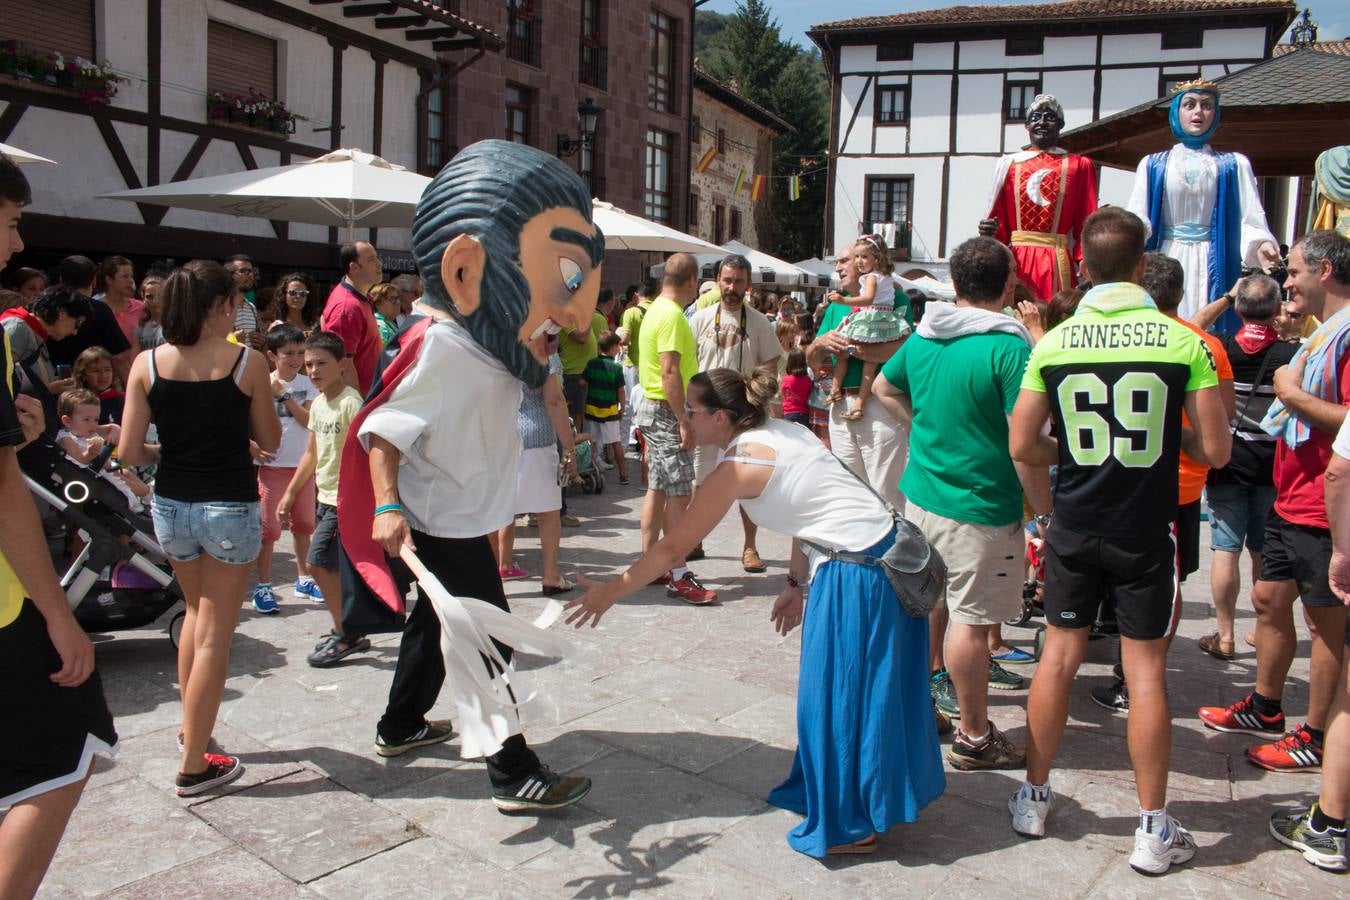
x=1237, y=512
x=229, y=531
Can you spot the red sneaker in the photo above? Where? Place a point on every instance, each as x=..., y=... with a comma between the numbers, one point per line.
x=1242, y=718
x=1295, y=752
x=690, y=591
x=664, y=579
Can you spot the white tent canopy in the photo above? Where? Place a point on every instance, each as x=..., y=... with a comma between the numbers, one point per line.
x=941, y=290
x=625, y=231
x=22, y=156
x=346, y=187
x=765, y=270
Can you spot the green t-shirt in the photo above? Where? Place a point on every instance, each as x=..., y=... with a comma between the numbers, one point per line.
x=576, y=353
x=962, y=390
x=664, y=329
x=328, y=422
x=1116, y=375
x=707, y=299
x=630, y=323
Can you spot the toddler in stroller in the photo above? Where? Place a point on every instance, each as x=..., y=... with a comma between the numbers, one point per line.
x=120, y=578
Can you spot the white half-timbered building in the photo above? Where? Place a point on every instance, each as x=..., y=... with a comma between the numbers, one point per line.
x=924, y=103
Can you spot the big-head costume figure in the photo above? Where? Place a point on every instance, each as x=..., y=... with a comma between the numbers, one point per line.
x=1201, y=206
x=508, y=255
x=1042, y=196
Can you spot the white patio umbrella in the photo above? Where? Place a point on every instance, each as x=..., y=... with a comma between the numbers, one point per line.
x=942, y=290
x=346, y=187
x=625, y=231
x=21, y=156
x=766, y=269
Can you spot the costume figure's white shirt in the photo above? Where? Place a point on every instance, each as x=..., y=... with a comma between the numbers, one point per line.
x=1192, y=186
x=453, y=420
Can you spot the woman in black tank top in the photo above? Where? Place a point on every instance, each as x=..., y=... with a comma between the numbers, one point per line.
x=207, y=397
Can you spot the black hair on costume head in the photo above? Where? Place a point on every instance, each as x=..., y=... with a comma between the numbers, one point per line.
x=490, y=190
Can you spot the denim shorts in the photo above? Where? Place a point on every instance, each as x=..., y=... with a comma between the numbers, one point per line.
x=229, y=531
x=1237, y=513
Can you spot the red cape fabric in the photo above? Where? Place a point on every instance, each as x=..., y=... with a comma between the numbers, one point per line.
x=356, y=493
x=18, y=312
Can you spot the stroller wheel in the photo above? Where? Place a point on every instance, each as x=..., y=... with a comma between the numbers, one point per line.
x=176, y=628
x=1040, y=642
x=1023, y=617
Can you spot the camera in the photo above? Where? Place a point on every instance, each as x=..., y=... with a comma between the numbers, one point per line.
x=1280, y=272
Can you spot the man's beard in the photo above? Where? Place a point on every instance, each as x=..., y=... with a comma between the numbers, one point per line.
x=495, y=326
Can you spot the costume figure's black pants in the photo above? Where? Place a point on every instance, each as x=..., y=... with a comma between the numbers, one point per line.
x=467, y=568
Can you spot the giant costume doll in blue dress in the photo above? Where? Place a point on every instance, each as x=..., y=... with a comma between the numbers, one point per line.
x=1201, y=206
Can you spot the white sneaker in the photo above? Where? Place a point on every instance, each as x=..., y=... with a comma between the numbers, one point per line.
x=1028, y=816
x=1154, y=856
x=606, y=466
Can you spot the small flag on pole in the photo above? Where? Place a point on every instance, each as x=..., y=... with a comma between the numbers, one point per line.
x=795, y=188
x=740, y=182
x=757, y=188
x=706, y=159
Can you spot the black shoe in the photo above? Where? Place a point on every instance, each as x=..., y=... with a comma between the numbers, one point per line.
x=696, y=554
x=1115, y=698
x=219, y=770
x=540, y=791
x=433, y=732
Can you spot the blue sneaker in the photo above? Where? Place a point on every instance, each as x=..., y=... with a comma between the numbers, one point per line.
x=264, y=601
x=308, y=589
x=1015, y=656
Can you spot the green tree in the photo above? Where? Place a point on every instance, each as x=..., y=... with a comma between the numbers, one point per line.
x=800, y=96
x=753, y=52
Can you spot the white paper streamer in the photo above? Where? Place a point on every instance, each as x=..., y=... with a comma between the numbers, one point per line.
x=487, y=713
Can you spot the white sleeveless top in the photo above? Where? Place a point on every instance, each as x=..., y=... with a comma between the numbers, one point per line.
x=810, y=494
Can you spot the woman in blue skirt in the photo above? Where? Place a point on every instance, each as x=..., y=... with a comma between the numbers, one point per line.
x=867, y=745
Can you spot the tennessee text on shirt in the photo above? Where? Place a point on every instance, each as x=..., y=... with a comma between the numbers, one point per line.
x=1112, y=335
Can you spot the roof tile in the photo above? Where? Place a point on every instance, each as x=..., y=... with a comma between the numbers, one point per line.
x=1066, y=9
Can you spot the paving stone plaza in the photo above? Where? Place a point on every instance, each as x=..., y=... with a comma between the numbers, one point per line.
x=684, y=718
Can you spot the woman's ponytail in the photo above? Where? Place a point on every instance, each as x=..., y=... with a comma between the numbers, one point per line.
x=747, y=400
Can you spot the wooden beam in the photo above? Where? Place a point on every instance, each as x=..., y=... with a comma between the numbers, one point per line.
x=459, y=43
x=411, y=21
x=364, y=10
x=326, y=28
x=430, y=34
x=10, y=118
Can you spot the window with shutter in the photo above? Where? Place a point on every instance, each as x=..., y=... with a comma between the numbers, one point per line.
x=239, y=61
x=66, y=26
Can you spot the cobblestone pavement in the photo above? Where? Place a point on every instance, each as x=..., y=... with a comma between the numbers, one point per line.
x=684, y=718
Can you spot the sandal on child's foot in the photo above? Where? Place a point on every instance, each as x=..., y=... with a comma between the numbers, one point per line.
x=835, y=397
x=853, y=415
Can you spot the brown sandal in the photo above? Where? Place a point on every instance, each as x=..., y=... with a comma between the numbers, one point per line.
x=835, y=397
x=1211, y=644
x=853, y=415
x=866, y=845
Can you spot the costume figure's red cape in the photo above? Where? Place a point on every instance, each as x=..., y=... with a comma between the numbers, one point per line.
x=356, y=492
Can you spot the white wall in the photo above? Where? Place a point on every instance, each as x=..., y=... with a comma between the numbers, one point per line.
x=930, y=103
x=971, y=186
x=979, y=113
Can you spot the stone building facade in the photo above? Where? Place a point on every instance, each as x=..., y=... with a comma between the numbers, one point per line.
x=743, y=133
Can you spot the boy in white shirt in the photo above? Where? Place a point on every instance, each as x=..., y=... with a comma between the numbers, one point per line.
x=293, y=392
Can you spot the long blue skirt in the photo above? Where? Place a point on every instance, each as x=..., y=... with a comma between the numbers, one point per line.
x=867, y=746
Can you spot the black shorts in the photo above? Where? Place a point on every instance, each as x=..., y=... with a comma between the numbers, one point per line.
x=1188, y=539
x=1298, y=553
x=323, y=545
x=51, y=733
x=574, y=392
x=1139, y=579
